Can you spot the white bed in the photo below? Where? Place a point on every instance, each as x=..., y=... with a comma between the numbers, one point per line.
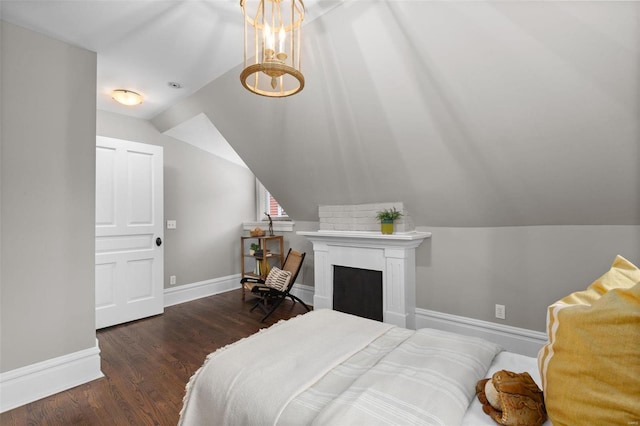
x=503, y=361
x=326, y=368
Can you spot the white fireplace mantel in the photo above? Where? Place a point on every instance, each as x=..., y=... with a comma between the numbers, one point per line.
x=393, y=254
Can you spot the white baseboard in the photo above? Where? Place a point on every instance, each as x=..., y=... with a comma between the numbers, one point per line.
x=304, y=292
x=189, y=292
x=36, y=381
x=513, y=339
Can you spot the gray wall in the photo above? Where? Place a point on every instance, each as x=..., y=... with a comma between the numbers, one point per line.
x=48, y=198
x=208, y=196
x=508, y=129
x=466, y=271
x=302, y=244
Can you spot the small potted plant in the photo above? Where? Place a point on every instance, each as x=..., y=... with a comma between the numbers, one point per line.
x=253, y=248
x=386, y=218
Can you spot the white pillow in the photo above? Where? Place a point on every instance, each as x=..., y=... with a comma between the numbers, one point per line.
x=278, y=279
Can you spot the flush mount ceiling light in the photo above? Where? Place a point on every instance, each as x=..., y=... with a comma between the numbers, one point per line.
x=272, y=47
x=126, y=97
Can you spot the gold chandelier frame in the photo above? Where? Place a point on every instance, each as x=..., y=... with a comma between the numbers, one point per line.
x=272, y=68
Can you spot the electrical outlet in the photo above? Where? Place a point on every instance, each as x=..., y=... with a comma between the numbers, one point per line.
x=172, y=280
x=172, y=224
x=500, y=311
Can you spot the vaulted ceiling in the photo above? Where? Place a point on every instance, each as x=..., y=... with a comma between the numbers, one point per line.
x=473, y=113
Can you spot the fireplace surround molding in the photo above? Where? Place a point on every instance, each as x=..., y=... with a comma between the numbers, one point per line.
x=393, y=255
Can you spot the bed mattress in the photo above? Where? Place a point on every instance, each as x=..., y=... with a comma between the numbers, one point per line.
x=326, y=367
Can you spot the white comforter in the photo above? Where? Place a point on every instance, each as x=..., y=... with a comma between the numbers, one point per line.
x=326, y=367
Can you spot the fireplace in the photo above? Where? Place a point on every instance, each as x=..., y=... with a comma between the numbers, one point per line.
x=392, y=256
x=357, y=291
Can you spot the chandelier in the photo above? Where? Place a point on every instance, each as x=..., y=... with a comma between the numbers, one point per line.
x=272, y=47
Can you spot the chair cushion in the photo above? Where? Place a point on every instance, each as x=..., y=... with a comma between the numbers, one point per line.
x=278, y=279
x=591, y=363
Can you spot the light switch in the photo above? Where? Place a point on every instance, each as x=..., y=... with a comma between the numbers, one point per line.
x=500, y=311
x=171, y=224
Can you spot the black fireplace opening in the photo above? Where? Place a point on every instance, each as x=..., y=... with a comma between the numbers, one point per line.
x=358, y=291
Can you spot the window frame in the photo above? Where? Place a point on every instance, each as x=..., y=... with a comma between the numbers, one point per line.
x=280, y=224
x=261, y=205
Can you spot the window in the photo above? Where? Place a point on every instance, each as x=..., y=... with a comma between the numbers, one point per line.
x=266, y=203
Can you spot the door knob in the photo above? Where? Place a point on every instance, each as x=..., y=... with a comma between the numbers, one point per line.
x=158, y=241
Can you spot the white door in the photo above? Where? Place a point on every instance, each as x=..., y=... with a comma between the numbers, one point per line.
x=129, y=231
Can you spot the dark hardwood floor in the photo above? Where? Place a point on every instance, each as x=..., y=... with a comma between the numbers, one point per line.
x=147, y=364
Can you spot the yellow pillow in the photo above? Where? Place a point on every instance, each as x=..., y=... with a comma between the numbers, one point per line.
x=590, y=367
